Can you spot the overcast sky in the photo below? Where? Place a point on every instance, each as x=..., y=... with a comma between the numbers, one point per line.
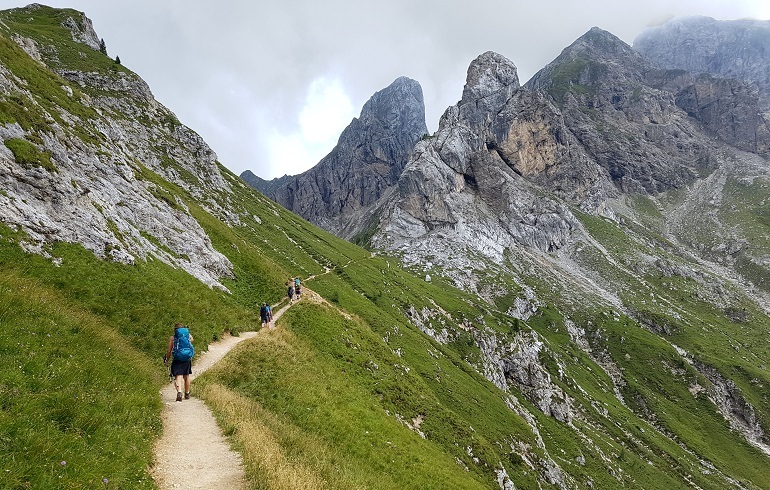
x=270, y=84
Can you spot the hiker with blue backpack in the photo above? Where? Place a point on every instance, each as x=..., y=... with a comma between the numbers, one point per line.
x=180, y=347
x=266, y=314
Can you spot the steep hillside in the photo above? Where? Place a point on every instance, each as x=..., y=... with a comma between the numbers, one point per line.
x=598, y=194
x=624, y=351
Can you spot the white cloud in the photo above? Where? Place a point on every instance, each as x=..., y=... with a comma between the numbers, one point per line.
x=326, y=112
x=759, y=9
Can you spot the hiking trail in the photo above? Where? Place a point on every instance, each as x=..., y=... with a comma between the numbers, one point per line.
x=192, y=453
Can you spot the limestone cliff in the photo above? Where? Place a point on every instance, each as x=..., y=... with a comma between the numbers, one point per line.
x=81, y=159
x=736, y=49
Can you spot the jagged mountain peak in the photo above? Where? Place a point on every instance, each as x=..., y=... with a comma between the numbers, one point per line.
x=488, y=74
x=602, y=46
x=393, y=97
x=591, y=58
x=399, y=109
x=737, y=49
x=367, y=161
x=603, y=41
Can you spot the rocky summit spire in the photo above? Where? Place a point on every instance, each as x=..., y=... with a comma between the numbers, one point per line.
x=368, y=160
x=490, y=74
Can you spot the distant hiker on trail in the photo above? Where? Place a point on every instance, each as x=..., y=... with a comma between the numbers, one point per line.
x=181, y=348
x=265, y=314
x=297, y=290
x=291, y=293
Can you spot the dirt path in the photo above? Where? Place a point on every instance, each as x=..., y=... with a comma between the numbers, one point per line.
x=192, y=453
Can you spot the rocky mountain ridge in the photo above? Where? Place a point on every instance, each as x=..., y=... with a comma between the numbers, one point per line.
x=511, y=168
x=736, y=49
x=367, y=160
x=608, y=218
x=504, y=179
x=101, y=188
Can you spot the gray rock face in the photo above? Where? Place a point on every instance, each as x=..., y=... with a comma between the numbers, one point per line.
x=728, y=109
x=632, y=129
x=500, y=174
x=82, y=31
x=101, y=193
x=738, y=49
x=466, y=184
x=598, y=122
x=368, y=159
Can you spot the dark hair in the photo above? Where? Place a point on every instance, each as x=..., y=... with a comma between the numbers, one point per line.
x=178, y=325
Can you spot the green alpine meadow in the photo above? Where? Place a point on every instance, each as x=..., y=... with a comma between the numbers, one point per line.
x=597, y=350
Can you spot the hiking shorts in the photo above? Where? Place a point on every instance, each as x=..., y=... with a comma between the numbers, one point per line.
x=180, y=368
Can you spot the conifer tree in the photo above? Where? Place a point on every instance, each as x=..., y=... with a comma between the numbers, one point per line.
x=117, y=59
x=103, y=47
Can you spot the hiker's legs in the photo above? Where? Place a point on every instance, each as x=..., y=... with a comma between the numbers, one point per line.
x=178, y=382
x=186, y=383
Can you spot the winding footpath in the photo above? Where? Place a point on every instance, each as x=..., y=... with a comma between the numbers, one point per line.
x=192, y=453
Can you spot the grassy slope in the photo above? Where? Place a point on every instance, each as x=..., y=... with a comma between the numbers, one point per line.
x=379, y=295
x=319, y=385
x=658, y=379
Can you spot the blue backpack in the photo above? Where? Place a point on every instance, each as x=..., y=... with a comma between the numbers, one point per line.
x=183, y=348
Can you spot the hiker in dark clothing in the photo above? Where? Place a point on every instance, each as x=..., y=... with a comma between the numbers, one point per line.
x=291, y=293
x=180, y=346
x=266, y=315
x=298, y=291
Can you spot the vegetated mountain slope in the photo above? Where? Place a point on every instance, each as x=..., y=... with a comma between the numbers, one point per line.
x=401, y=382
x=605, y=197
x=340, y=190
x=76, y=310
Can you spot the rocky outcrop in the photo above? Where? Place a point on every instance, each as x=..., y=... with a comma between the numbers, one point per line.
x=631, y=128
x=466, y=184
x=368, y=160
x=598, y=122
x=106, y=151
x=82, y=30
x=523, y=369
x=730, y=402
x=735, y=49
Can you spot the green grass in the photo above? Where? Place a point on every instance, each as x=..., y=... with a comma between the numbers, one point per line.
x=44, y=24
x=78, y=402
x=28, y=155
x=37, y=112
x=329, y=395
x=143, y=301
